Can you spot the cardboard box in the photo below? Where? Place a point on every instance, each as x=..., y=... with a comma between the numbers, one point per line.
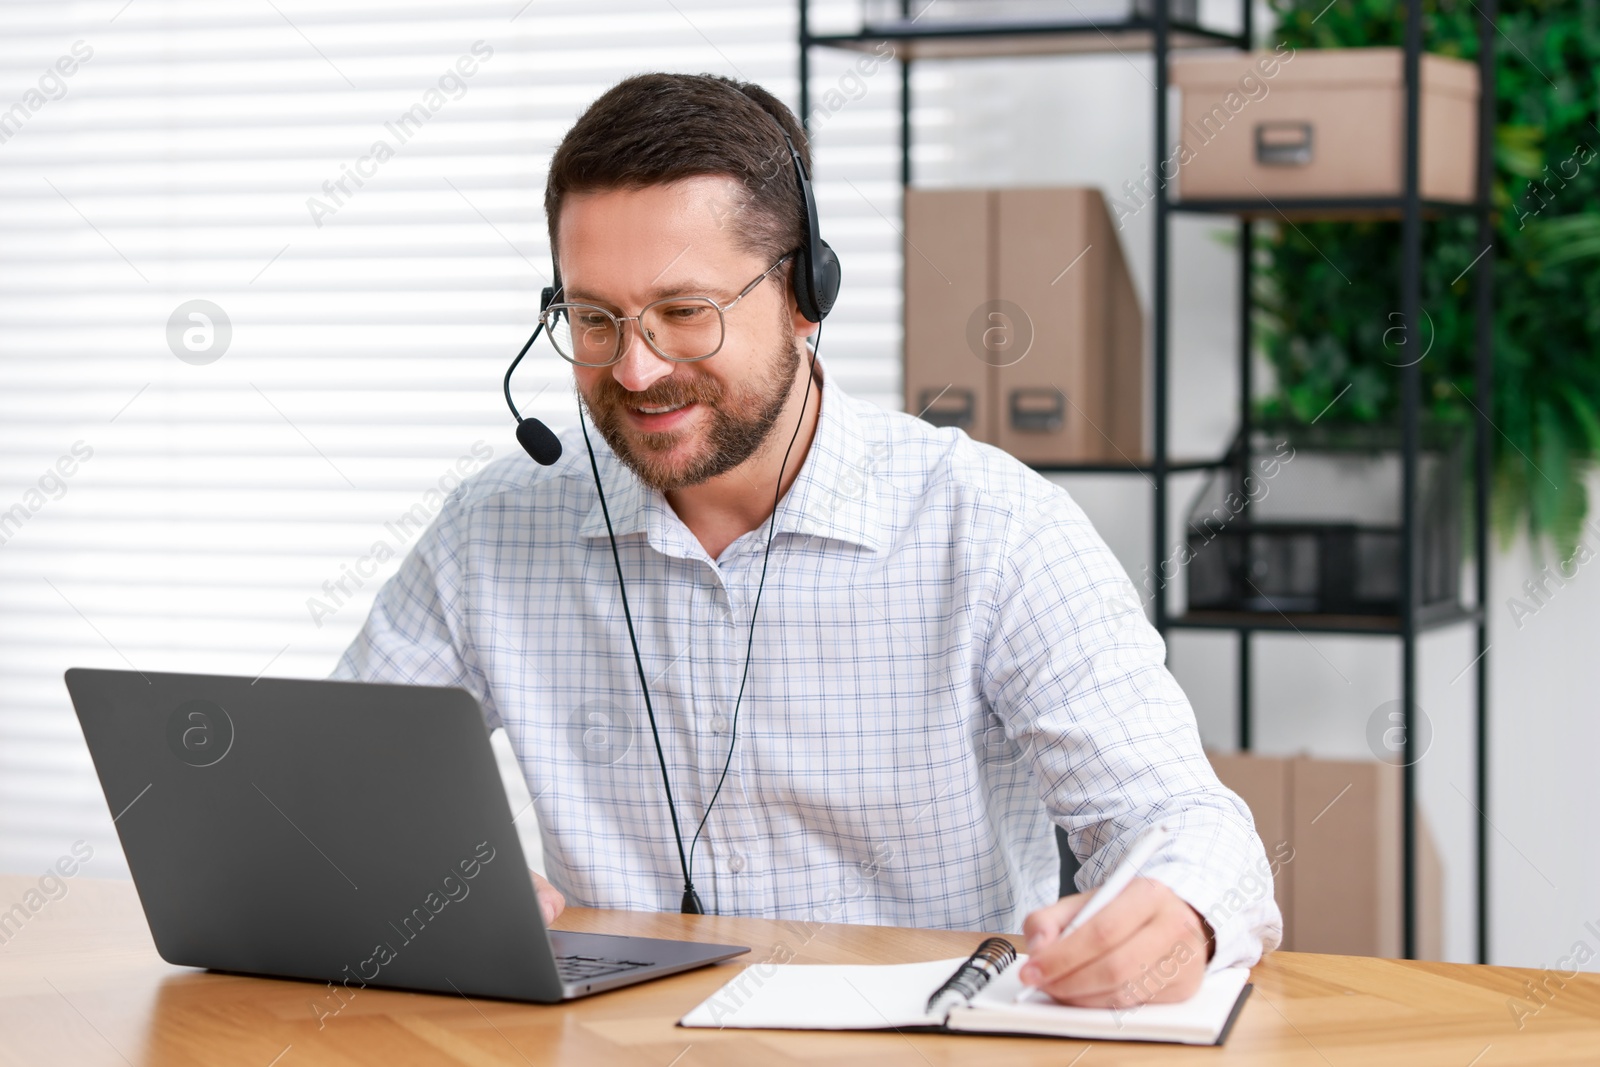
x=1346, y=829
x=1341, y=890
x=1322, y=123
x=1347, y=890
x=1022, y=324
x=946, y=276
x=1264, y=784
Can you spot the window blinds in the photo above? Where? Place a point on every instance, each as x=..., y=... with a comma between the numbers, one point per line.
x=262, y=264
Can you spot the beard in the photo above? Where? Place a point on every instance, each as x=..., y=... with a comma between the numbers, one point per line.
x=742, y=418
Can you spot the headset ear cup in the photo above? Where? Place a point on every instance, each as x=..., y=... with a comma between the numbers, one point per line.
x=826, y=273
x=800, y=281
x=816, y=282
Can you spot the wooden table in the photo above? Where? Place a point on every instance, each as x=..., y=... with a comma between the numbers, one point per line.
x=80, y=983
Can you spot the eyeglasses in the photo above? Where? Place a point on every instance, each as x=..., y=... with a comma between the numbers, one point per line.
x=680, y=328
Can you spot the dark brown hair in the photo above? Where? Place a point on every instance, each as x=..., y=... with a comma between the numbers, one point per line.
x=651, y=129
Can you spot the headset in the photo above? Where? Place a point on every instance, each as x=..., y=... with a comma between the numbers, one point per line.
x=815, y=284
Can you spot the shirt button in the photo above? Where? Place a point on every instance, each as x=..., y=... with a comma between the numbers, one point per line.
x=718, y=724
x=736, y=863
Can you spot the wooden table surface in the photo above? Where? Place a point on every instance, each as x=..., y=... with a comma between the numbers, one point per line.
x=80, y=983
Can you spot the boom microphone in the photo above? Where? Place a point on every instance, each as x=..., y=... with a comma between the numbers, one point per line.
x=534, y=436
x=538, y=441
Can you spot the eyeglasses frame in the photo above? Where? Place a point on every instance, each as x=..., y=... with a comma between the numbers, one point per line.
x=548, y=314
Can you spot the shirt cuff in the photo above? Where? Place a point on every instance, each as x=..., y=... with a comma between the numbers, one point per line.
x=1243, y=914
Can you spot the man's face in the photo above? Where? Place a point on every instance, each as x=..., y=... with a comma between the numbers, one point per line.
x=679, y=424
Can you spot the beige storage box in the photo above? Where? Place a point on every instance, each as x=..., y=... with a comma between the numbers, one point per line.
x=1324, y=123
x=1021, y=323
x=1265, y=785
x=1347, y=890
x=946, y=278
x=1332, y=831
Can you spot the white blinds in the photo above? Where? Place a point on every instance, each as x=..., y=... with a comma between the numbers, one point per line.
x=210, y=493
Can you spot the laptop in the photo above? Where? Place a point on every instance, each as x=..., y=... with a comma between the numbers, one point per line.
x=346, y=832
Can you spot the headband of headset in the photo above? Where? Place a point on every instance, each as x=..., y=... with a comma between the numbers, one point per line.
x=816, y=274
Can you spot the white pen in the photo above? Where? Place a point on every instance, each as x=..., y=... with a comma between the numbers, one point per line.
x=1137, y=856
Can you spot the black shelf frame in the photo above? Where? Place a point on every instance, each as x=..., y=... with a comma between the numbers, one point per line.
x=971, y=40
x=1433, y=618
x=1348, y=207
x=1159, y=35
x=1126, y=468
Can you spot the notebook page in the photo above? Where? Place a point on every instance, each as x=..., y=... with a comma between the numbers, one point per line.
x=1196, y=1021
x=802, y=996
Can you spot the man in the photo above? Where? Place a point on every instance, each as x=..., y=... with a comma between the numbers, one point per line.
x=944, y=661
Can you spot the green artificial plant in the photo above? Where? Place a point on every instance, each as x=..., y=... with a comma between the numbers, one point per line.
x=1328, y=298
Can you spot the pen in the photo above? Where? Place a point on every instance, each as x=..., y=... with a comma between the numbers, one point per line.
x=1136, y=857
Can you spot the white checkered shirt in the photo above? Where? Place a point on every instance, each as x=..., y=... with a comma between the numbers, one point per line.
x=947, y=658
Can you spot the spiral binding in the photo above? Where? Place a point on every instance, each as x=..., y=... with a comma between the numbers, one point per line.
x=990, y=958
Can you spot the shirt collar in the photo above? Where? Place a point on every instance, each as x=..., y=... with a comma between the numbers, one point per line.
x=837, y=493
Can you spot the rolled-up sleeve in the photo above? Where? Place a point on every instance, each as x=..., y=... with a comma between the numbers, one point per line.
x=1078, y=675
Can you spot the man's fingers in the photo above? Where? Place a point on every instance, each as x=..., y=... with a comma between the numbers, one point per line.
x=1045, y=925
x=551, y=902
x=1147, y=945
x=1134, y=907
x=1152, y=964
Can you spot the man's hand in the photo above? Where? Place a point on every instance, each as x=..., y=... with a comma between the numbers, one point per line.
x=1146, y=946
x=551, y=902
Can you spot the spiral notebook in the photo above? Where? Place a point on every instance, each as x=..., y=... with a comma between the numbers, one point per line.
x=973, y=995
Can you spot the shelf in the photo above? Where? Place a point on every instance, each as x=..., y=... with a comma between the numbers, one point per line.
x=1146, y=467
x=909, y=39
x=976, y=40
x=1314, y=622
x=1322, y=208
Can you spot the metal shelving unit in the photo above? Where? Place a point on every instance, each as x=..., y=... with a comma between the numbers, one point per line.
x=1159, y=35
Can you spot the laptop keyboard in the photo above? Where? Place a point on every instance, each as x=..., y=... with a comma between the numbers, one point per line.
x=582, y=968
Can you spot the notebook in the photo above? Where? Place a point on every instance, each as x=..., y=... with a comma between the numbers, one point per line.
x=974, y=995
